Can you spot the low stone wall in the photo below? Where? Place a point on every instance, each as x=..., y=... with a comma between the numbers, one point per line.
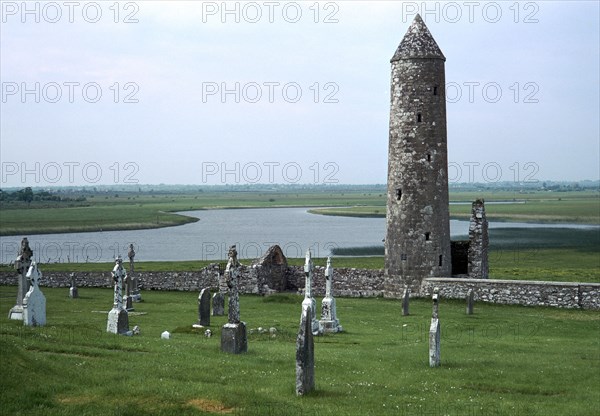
x=350, y=282
x=518, y=292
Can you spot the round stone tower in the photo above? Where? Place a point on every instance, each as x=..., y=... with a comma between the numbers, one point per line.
x=417, y=243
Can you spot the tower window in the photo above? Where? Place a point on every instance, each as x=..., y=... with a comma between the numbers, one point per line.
x=398, y=193
x=434, y=90
x=427, y=236
x=403, y=256
x=418, y=117
x=440, y=260
x=429, y=157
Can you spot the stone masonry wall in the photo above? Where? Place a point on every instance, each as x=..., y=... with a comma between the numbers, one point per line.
x=350, y=282
x=518, y=292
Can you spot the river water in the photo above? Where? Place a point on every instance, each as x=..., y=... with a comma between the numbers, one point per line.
x=253, y=230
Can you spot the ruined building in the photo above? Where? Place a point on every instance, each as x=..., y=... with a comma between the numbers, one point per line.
x=417, y=243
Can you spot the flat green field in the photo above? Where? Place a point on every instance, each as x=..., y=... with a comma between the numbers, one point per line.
x=133, y=210
x=503, y=360
x=121, y=211
x=572, y=207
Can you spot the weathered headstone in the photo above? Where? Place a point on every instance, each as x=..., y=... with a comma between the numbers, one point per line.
x=22, y=264
x=131, y=255
x=34, y=302
x=118, y=318
x=434, y=332
x=478, y=241
x=308, y=299
x=73, y=292
x=405, y=301
x=135, y=294
x=305, y=354
x=218, y=304
x=470, y=301
x=128, y=285
x=204, y=307
x=233, y=335
x=329, y=321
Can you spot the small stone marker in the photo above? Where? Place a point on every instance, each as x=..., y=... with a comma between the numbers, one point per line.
x=305, y=354
x=128, y=285
x=118, y=318
x=34, y=303
x=233, y=335
x=73, y=292
x=22, y=264
x=434, y=333
x=204, y=307
x=329, y=321
x=135, y=294
x=308, y=299
x=131, y=255
x=405, y=301
x=470, y=301
x=218, y=304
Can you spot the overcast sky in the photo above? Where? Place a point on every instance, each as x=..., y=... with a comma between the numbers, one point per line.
x=311, y=81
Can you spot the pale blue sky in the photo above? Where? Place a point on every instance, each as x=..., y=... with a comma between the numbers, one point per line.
x=177, y=50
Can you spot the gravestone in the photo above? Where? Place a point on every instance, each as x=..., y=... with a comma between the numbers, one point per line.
x=73, y=292
x=118, y=318
x=218, y=304
x=22, y=264
x=218, y=299
x=204, y=307
x=329, y=321
x=233, y=335
x=309, y=301
x=470, y=301
x=131, y=255
x=135, y=294
x=434, y=332
x=305, y=354
x=405, y=301
x=128, y=285
x=34, y=302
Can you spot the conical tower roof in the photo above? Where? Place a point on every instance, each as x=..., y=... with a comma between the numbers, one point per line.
x=418, y=43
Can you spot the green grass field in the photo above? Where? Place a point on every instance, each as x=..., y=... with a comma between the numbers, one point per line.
x=503, y=360
x=538, y=207
x=133, y=210
x=120, y=211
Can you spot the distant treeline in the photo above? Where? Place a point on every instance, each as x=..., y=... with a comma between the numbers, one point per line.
x=28, y=195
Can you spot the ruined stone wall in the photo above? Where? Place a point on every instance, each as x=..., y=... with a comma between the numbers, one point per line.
x=350, y=282
x=478, y=241
x=518, y=292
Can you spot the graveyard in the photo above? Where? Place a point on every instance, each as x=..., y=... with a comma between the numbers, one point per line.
x=502, y=360
x=435, y=324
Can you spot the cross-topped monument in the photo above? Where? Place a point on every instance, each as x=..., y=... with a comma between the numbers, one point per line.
x=233, y=335
x=22, y=264
x=34, y=302
x=308, y=299
x=118, y=318
x=329, y=321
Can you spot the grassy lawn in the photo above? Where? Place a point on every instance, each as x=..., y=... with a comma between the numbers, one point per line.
x=504, y=360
